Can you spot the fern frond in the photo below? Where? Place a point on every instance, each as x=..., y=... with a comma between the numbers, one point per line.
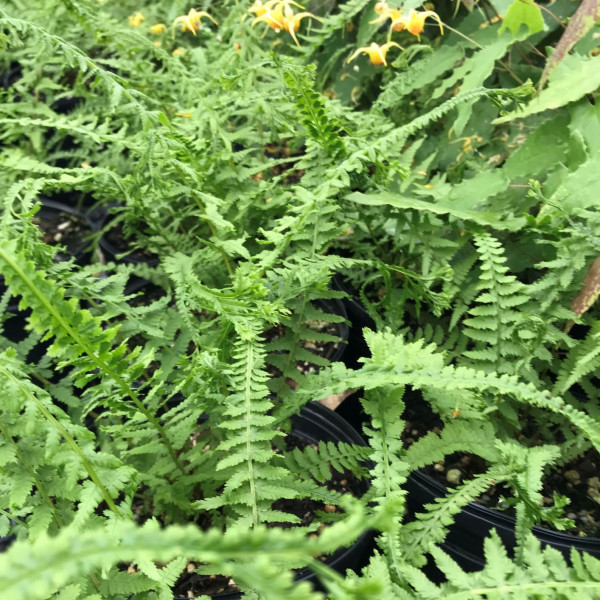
x=79, y=338
x=543, y=574
x=583, y=359
x=259, y=558
x=417, y=537
x=317, y=462
x=494, y=323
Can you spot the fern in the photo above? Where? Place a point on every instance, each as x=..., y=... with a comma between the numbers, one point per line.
x=496, y=323
x=72, y=554
x=320, y=126
x=79, y=340
x=582, y=360
x=249, y=492
x=545, y=573
x=318, y=462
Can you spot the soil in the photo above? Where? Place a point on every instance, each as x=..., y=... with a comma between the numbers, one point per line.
x=65, y=229
x=191, y=584
x=292, y=175
x=117, y=243
x=578, y=480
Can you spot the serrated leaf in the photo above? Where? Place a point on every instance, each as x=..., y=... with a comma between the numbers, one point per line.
x=575, y=77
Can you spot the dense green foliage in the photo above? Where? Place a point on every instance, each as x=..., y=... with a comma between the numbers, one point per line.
x=246, y=155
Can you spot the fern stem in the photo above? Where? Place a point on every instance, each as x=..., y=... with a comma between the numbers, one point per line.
x=68, y=438
x=249, y=461
x=102, y=365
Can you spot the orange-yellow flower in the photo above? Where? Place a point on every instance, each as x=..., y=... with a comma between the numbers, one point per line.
x=178, y=51
x=259, y=9
x=414, y=22
x=135, y=20
x=385, y=13
x=192, y=21
x=375, y=52
x=278, y=15
x=158, y=28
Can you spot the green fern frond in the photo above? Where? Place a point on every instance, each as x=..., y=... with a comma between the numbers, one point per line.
x=258, y=558
x=416, y=538
x=318, y=462
x=583, y=359
x=543, y=574
x=494, y=323
x=79, y=338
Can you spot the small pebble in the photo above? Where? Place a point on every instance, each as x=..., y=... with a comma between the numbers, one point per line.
x=571, y=515
x=454, y=476
x=594, y=482
x=439, y=467
x=58, y=237
x=465, y=460
x=329, y=508
x=63, y=226
x=414, y=432
x=191, y=567
x=573, y=476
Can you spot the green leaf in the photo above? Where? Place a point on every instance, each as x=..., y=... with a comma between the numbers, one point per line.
x=581, y=22
x=575, y=77
x=494, y=220
x=523, y=13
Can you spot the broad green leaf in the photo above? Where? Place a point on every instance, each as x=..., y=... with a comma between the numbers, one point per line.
x=579, y=188
x=574, y=78
x=581, y=22
x=483, y=218
x=522, y=12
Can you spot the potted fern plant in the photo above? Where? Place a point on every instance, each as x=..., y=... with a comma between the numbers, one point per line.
x=258, y=149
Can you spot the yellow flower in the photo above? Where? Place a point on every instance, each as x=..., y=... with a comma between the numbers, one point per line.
x=385, y=13
x=192, y=21
x=157, y=44
x=136, y=20
x=260, y=9
x=158, y=28
x=178, y=51
x=414, y=22
x=376, y=52
x=278, y=15
x=184, y=115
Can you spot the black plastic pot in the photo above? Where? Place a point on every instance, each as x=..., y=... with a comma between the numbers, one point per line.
x=120, y=255
x=336, y=307
x=316, y=423
x=473, y=524
x=359, y=319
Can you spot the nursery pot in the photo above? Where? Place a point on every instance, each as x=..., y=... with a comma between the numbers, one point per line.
x=359, y=319
x=336, y=307
x=114, y=253
x=313, y=424
x=473, y=524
